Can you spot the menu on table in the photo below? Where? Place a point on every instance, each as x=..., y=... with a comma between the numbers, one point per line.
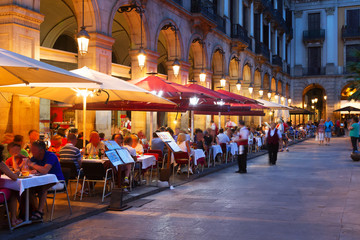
x=114, y=158
x=169, y=141
x=125, y=156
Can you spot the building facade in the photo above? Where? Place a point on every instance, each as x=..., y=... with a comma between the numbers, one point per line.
x=284, y=48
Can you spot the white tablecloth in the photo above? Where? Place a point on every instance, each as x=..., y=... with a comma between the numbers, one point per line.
x=94, y=160
x=147, y=161
x=216, y=149
x=234, y=148
x=24, y=183
x=198, y=153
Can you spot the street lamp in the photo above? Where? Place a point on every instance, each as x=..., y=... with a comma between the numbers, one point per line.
x=238, y=85
x=269, y=94
x=251, y=89
x=305, y=105
x=289, y=100
x=261, y=93
x=202, y=76
x=223, y=81
x=282, y=99
x=325, y=97
x=176, y=67
x=83, y=37
x=316, y=100
x=141, y=54
x=276, y=96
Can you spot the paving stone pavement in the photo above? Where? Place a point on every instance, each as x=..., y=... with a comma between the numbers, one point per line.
x=312, y=193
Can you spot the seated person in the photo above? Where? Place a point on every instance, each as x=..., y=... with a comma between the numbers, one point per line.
x=70, y=153
x=222, y=137
x=18, y=139
x=80, y=141
x=185, y=147
x=137, y=145
x=157, y=143
x=16, y=160
x=95, y=145
x=56, y=142
x=119, y=139
x=44, y=162
x=10, y=195
x=128, y=142
x=200, y=141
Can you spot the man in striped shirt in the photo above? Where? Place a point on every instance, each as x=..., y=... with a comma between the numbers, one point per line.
x=70, y=153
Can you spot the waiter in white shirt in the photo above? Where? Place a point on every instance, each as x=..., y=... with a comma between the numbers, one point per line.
x=243, y=147
x=230, y=124
x=273, y=139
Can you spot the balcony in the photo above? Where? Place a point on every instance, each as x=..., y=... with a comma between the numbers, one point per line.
x=317, y=35
x=207, y=8
x=240, y=33
x=277, y=60
x=180, y=2
x=350, y=32
x=314, y=71
x=262, y=49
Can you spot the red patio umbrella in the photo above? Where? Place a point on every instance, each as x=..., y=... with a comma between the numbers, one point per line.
x=238, y=97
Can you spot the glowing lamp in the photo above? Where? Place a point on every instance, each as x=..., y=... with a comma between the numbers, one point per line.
x=141, y=58
x=83, y=39
x=202, y=76
x=176, y=67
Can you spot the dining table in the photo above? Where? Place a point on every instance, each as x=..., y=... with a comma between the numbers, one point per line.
x=198, y=154
x=216, y=149
x=23, y=184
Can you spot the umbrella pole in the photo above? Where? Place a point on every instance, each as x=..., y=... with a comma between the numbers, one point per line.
x=84, y=123
x=219, y=120
x=151, y=125
x=192, y=125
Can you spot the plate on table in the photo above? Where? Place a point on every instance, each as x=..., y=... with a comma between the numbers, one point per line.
x=23, y=177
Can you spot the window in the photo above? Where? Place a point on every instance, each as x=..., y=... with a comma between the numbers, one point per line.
x=350, y=55
x=353, y=18
x=314, y=60
x=257, y=27
x=314, y=21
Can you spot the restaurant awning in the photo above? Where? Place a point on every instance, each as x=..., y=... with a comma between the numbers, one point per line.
x=273, y=106
x=241, y=99
x=348, y=109
x=234, y=113
x=300, y=111
x=214, y=94
x=19, y=69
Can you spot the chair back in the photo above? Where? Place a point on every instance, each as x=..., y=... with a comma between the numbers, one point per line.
x=223, y=147
x=73, y=172
x=181, y=156
x=93, y=170
x=66, y=172
x=159, y=152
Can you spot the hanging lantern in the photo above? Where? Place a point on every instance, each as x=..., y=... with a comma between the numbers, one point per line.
x=251, y=89
x=276, y=97
x=202, y=76
x=289, y=101
x=222, y=81
x=305, y=105
x=269, y=94
x=141, y=58
x=238, y=85
x=261, y=92
x=282, y=99
x=325, y=97
x=176, y=67
x=194, y=100
x=83, y=39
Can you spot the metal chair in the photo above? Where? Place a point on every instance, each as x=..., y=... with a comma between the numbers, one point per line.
x=95, y=172
x=53, y=192
x=74, y=175
x=4, y=204
x=182, y=158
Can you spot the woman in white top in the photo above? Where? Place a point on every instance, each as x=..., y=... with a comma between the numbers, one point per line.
x=185, y=146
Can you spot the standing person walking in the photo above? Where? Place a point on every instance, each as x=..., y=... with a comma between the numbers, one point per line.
x=328, y=129
x=321, y=132
x=243, y=147
x=273, y=139
x=354, y=133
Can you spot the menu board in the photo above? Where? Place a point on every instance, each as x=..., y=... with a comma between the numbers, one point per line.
x=111, y=145
x=169, y=141
x=125, y=156
x=114, y=158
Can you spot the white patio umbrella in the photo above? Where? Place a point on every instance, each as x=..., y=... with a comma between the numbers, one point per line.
x=109, y=89
x=16, y=68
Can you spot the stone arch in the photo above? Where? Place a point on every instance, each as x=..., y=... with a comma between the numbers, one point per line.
x=218, y=61
x=257, y=78
x=273, y=85
x=234, y=67
x=169, y=36
x=60, y=19
x=197, y=55
x=266, y=81
x=313, y=91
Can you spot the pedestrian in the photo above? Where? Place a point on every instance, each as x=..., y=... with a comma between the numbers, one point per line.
x=243, y=147
x=321, y=132
x=354, y=133
x=273, y=140
x=328, y=130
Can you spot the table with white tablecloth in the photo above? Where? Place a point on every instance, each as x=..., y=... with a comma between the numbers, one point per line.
x=146, y=161
x=234, y=149
x=198, y=153
x=23, y=184
x=216, y=149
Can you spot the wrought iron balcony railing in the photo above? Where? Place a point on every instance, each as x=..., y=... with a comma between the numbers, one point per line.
x=262, y=49
x=350, y=32
x=314, y=35
x=239, y=32
x=277, y=60
x=208, y=9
